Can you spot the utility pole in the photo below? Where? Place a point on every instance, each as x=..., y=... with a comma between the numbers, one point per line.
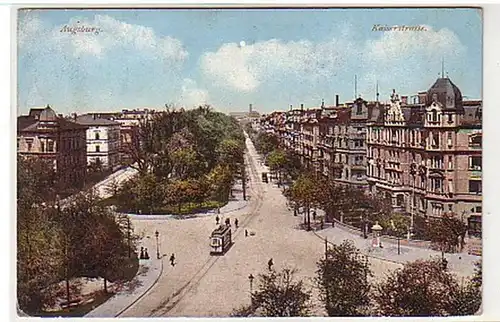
x=326, y=248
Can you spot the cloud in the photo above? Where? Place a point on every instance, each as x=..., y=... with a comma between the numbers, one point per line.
x=245, y=68
x=97, y=37
x=191, y=95
x=409, y=59
x=392, y=58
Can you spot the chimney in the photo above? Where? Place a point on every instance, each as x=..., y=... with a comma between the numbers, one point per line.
x=291, y=107
x=301, y=107
x=250, y=108
x=336, y=100
x=74, y=116
x=94, y=116
x=322, y=103
x=404, y=100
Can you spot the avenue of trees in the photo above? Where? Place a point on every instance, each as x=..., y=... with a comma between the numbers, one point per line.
x=353, y=206
x=187, y=160
x=58, y=240
x=347, y=289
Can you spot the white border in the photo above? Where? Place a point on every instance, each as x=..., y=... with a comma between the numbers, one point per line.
x=491, y=63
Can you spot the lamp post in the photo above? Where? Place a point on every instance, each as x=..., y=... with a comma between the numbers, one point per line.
x=157, y=245
x=250, y=278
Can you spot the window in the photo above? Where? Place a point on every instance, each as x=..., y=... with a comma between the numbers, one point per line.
x=359, y=109
x=42, y=146
x=450, y=207
x=450, y=118
x=450, y=185
x=475, y=140
x=50, y=146
x=400, y=200
x=435, y=138
x=97, y=136
x=18, y=140
x=450, y=139
x=450, y=162
x=475, y=186
x=475, y=163
x=29, y=144
x=97, y=148
x=434, y=116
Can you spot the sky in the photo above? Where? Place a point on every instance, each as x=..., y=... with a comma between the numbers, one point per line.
x=230, y=58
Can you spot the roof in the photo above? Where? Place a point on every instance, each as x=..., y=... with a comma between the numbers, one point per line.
x=94, y=120
x=443, y=89
x=26, y=123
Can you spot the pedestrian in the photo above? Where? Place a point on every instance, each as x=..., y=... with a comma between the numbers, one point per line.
x=246, y=233
x=444, y=264
x=270, y=264
x=228, y=222
x=217, y=219
x=321, y=223
x=142, y=253
x=314, y=215
x=146, y=255
x=172, y=260
x=236, y=222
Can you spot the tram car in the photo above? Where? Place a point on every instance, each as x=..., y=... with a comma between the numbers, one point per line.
x=220, y=240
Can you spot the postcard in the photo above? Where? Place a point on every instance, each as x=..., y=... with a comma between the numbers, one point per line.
x=249, y=162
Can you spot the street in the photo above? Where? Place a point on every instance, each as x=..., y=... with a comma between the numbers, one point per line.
x=200, y=285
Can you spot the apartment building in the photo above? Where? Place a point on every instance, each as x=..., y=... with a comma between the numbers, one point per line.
x=103, y=141
x=44, y=134
x=129, y=121
x=426, y=155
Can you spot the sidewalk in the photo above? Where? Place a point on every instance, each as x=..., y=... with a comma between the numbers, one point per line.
x=148, y=274
x=461, y=264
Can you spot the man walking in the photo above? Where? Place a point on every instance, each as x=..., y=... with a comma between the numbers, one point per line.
x=217, y=219
x=172, y=260
x=270, y=264
x=236, y=222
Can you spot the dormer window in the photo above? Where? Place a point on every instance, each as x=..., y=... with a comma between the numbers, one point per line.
x=434, y=97
x=434, y=116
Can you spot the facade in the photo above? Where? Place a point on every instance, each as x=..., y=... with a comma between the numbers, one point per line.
x=426, y=156
x=43, y=134
x=129, y=121
x=103, y=141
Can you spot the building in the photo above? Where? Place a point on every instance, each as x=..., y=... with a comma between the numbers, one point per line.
x=426, y=155
x=44, y=134
x=129, y=121
x=103, y=141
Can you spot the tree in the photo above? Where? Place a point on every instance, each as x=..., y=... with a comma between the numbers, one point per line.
x=38, y=258
x=342, y=278
x=149, y=192
x=303, y=193
x=277, y=161
x=279, y=295
x=420, y=288
x=468, y=298
x=265, y=143
x=447, y=232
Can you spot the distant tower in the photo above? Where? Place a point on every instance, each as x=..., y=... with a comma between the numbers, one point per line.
x=250, y=108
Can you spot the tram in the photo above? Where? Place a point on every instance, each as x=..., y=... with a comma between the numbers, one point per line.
x=220, y=240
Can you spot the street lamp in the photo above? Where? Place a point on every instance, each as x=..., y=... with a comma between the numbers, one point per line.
x=157, y=245
x=250, y=278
